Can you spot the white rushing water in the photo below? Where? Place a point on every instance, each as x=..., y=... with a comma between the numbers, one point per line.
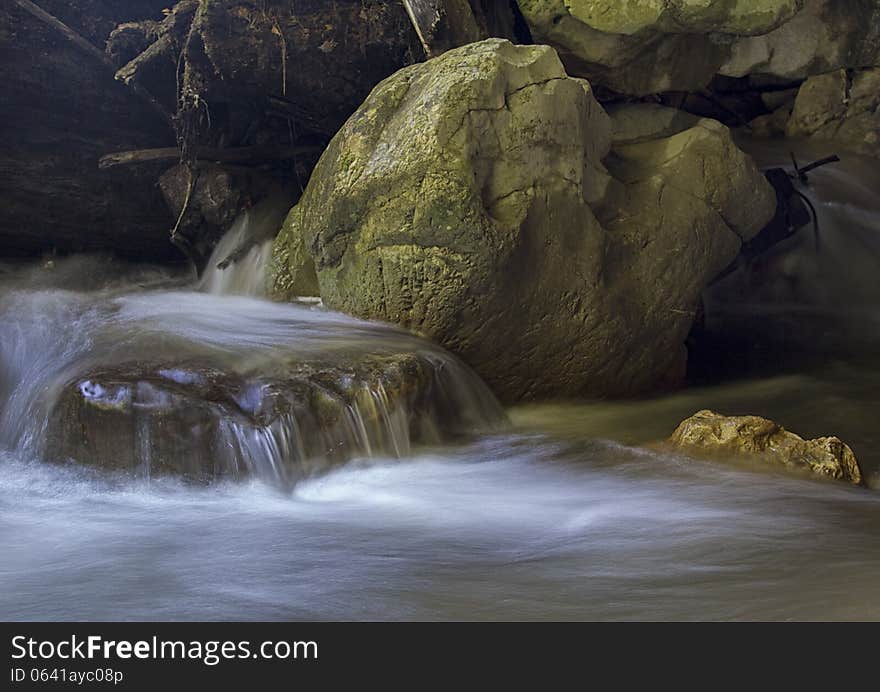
x=250, y=236
x=561, y=515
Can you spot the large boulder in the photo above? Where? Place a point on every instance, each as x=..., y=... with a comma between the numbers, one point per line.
x=647, y=46
x=707, y=432
x=824, y=36
x=468, y=199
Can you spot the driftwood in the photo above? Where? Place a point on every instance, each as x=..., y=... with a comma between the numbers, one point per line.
x=443, y=24
x=229, y=155
x=238, y=253
x=87, y=47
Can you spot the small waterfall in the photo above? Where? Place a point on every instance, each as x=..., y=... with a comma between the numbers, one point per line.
x=803, y=303
x=239, y=263
x=155, y=380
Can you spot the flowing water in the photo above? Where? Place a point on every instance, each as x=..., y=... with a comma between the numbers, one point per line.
x=559, y=514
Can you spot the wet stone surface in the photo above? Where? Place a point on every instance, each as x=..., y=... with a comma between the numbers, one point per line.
x=302, y=417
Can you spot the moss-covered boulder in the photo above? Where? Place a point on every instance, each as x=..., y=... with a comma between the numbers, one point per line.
x=468, y=200
x=823, y=36
x=299, y=417
x=646, y=46
x=752, y=437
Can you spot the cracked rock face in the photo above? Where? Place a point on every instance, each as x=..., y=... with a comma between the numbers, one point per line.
x=842, y=107
x=642, y=47
x=476, y=199
x=302, y=417
x=755, y=437
x=824, y=36
x=645, y=46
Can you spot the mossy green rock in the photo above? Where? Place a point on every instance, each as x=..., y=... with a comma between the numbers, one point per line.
x=468, y=200
x=742, y=17
x=293, y=270
x=825, y=35
x=646, y=46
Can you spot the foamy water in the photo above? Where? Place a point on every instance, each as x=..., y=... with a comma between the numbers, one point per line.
x=564, y=514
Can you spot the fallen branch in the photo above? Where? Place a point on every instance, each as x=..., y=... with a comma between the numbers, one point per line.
x=81, y=43
x=442, y=24
x=229, y=155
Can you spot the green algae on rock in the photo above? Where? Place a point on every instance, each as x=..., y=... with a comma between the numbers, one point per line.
x=468, y=200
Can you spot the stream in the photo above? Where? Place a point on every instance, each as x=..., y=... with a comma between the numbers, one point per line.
x=559, y=513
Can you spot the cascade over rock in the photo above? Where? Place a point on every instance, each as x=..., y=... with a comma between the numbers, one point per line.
x=647, y=46
x=825, y=35
x=650, y=46
x=476, y=199
x=301, y=417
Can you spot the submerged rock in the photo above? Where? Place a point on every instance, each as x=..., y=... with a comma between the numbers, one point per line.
x=298, y=418
x=293, y=269
x=468, y=200
x=755, y=437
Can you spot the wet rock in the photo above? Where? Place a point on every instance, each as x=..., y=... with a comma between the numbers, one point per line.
x=778, y=98
x=293, y=269
x=771, y=125
x=824, y=36
x=61, y=111
x=473, y=199
x=755, y=437
x=646, y=46
x=298, y=418
x=842, y=107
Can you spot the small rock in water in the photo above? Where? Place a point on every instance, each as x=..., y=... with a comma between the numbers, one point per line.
x=762, y=438
x=299, y=417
